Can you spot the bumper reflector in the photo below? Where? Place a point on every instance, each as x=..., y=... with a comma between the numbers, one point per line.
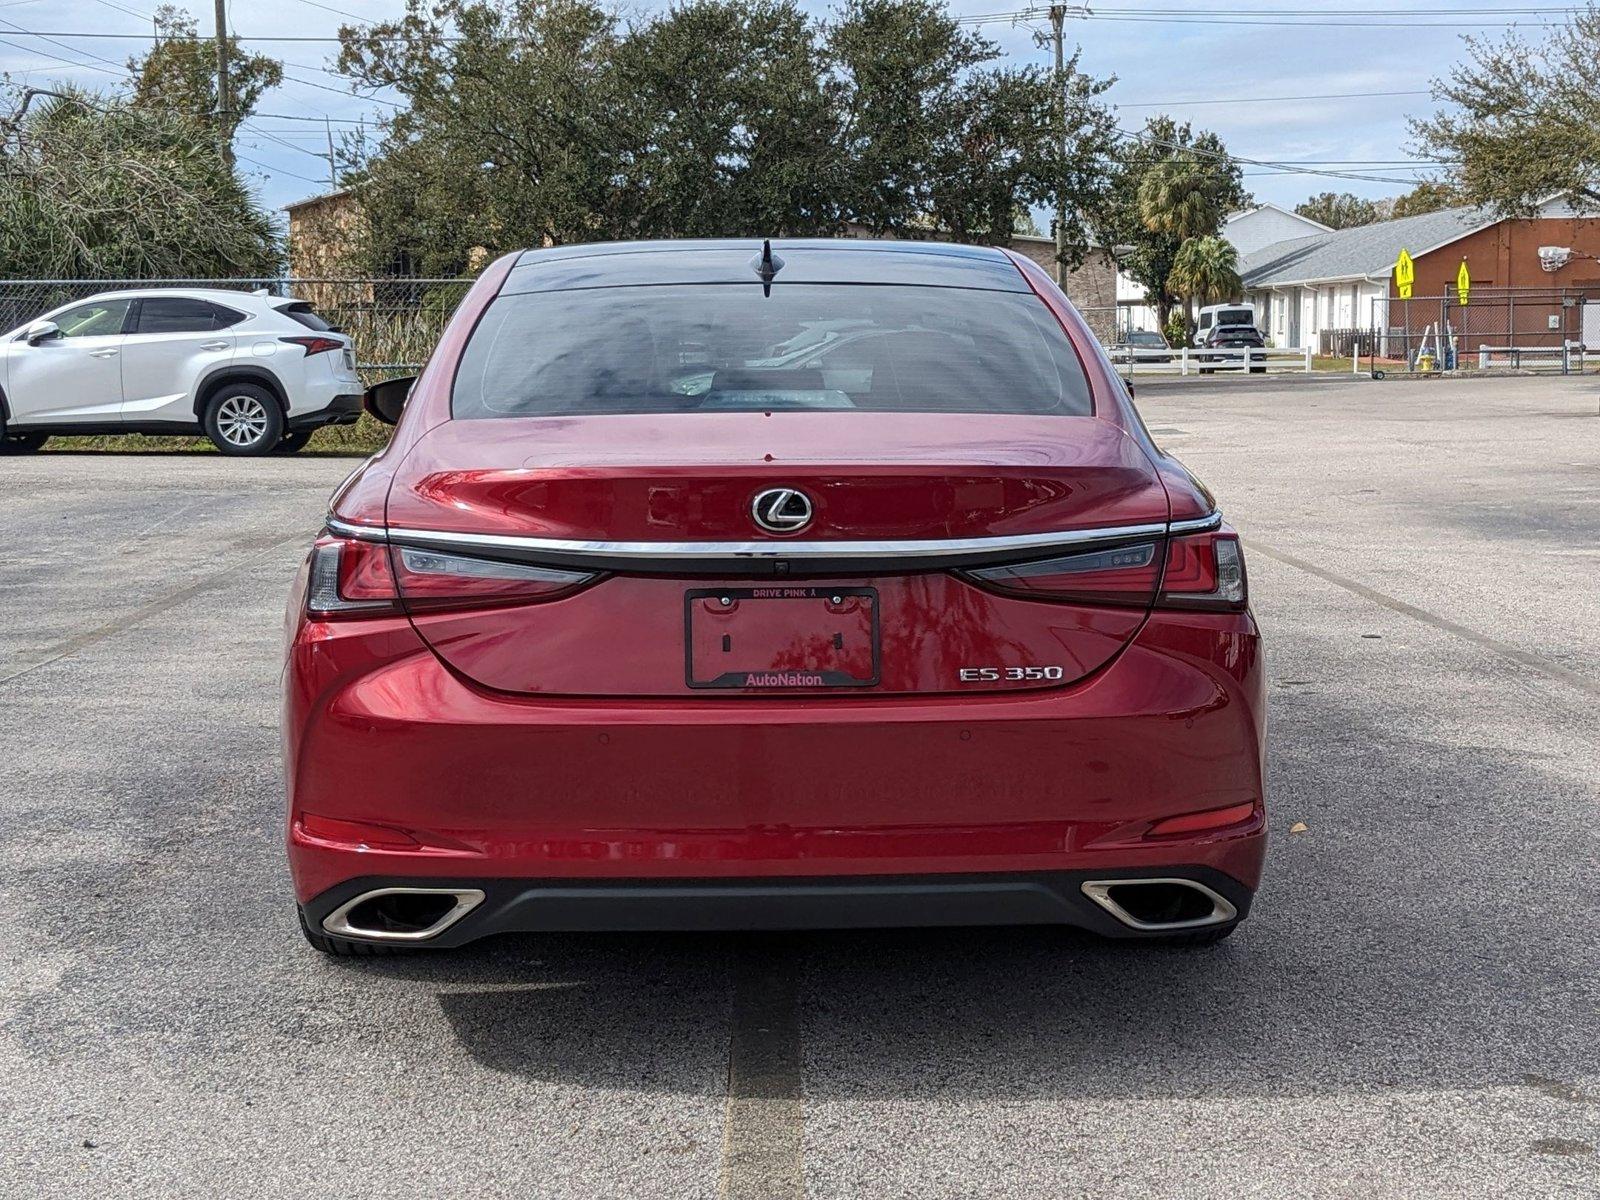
x=1216, y=818
x=356, y=833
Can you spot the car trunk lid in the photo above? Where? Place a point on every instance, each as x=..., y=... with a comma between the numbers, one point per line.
x=693, y=596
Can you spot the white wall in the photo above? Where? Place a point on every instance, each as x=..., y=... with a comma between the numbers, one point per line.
x=1132, y=311
x=1296, y=316
x=1254, y=228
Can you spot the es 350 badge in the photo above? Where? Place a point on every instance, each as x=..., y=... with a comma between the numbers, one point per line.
x=996, y=674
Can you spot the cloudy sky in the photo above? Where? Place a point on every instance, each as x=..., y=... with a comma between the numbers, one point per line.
x=1303, y=86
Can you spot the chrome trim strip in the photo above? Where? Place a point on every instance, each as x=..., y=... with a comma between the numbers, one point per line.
x=1196, y=524
x=338, y=921
x=776, y=549
x=367, y=533
x=1099, y=890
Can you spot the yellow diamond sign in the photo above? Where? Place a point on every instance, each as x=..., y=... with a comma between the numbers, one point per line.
x=1405, y=273
x=1463, y=282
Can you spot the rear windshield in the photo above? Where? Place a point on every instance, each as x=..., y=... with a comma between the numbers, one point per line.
x=305, y=315
x=1146, y=339
x=729, y=348
x=1237, y=316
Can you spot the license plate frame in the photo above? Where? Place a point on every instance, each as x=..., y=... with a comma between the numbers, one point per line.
x=740, y=678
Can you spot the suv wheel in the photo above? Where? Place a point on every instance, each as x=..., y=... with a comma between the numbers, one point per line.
x=244, y=418
x=20, y=443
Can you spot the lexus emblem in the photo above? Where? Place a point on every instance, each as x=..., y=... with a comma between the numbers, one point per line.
x=781, y=510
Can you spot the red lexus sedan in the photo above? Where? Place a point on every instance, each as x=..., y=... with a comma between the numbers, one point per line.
x=730, y=585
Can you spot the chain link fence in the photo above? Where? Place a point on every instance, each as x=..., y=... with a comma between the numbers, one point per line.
x=1528, y=329
x=395, y=322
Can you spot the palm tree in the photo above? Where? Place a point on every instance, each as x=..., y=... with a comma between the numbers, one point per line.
x=1179, y=197
x=1205, y=271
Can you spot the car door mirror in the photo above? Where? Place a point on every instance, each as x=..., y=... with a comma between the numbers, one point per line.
x=387, y=400
x=43, y=331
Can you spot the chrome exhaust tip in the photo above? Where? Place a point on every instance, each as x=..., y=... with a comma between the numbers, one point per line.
x=401, y=914
x=1160, y=905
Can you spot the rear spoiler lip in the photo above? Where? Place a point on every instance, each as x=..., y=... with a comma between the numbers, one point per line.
x=767, y=558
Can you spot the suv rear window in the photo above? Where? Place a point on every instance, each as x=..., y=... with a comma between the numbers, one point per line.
x=1236, y=316
x=304, y=314
x=183, y=314
x=729, y=348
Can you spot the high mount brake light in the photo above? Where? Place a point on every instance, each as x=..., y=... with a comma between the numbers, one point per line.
x=1195, y=571
x=353, y=577
x=314, y=345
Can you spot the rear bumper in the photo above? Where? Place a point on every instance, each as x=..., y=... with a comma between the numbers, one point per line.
x=444, y=780
x=841, y=902
x=344, y=409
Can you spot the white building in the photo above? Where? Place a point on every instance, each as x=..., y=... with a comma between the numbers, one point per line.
x=1336, y=280
x=1249, y=230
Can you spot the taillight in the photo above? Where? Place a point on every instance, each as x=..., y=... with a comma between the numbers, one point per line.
x=1204, y=570
x=435, y=579
x=314, y=345
x=1201, y=570
x=1120, y=575
x=352, y=577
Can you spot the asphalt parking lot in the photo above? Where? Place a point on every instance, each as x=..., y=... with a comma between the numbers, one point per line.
x=1411, y=1010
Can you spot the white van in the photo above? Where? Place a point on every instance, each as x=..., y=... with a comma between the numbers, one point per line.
x=1213, y=315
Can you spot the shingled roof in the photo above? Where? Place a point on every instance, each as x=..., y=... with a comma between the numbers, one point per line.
x=1358, y=253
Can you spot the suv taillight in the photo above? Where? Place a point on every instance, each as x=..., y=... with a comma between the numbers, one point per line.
x=353, y=578
x=314, y=345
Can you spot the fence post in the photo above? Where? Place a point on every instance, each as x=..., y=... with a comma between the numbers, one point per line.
x=1183, y=360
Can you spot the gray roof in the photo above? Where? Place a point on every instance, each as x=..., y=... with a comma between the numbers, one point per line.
x=1366, y=250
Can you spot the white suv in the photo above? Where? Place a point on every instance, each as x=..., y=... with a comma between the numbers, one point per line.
x=255, y=373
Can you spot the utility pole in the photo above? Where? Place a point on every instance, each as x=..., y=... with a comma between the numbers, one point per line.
x=224, y=127
x=333, y=170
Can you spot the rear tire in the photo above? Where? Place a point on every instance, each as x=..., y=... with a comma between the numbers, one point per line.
x=343, y=948
x=20, y=443
x=243, y=419
x=293, y=441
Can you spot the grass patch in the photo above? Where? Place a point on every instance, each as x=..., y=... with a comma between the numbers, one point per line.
x=364, y=437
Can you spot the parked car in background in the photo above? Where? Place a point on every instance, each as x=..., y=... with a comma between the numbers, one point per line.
x=1139, y=346
x=1228, y=328
x=254, y=373
x=719, y=585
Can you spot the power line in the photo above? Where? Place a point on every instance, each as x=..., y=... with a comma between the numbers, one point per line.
x=129, y=11
x=1270, y=99
x=256, y=162
x=71, y=62
x=1272, y=167
x=339, y=11
x=309, y=117
x=18, y=29
x=1288, y=17
x=341, y=91
x=272, y=137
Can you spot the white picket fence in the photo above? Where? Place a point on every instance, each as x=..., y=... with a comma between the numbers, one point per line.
x=1182, y=360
